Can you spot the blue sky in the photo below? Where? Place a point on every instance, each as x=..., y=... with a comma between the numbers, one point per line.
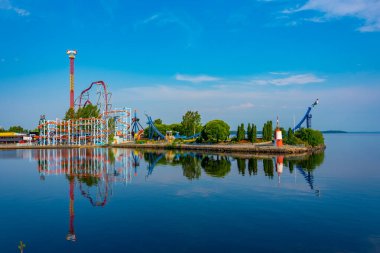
x=240, y=61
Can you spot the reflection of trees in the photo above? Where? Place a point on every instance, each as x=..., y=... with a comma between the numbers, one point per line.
x=307, y=166
x=252, y=166
x=89, y=180
x=241, y=165
x=218, y=166
x=312, y=162
x=191, y=167
x=268, y=167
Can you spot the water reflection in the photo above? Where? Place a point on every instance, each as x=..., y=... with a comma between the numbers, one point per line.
x=95, y=171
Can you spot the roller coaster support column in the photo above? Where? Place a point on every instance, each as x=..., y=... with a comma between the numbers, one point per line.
x=71, y=54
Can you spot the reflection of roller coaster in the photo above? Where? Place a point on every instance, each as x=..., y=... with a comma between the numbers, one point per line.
x=94, y=170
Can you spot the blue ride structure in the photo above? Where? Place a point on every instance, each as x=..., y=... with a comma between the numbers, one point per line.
x=307, y=117
x=137, y=128
x=153, y=129
x=184, y=137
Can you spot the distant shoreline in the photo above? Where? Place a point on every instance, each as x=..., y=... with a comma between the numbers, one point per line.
x=347, y=132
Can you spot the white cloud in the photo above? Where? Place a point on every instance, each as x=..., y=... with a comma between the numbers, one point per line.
x=366, y=10
x=290, y=80
x=7, y=5
x=243, y=106
x=196, y=79
x=278, y=73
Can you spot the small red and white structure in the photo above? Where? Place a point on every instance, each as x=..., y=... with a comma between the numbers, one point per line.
x=278, y=135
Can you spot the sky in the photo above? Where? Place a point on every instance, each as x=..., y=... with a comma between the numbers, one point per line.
x=242, y=61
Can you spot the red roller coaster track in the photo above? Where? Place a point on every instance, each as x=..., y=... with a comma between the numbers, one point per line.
x=102, y=96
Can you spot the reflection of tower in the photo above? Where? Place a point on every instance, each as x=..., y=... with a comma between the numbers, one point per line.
x=71, y=235
x=279, y=167
x=71, y=54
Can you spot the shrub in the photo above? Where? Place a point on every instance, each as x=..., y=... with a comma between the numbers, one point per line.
x=310, y=136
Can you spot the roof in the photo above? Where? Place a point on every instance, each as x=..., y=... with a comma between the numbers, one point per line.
x=10, y=134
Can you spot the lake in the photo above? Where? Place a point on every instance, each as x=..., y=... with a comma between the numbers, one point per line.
x=121, y=200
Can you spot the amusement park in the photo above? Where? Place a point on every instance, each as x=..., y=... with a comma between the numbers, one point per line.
x=92, y=120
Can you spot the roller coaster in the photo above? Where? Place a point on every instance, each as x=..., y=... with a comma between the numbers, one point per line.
x=89, y=131
x=168, y=136
x=307, y=117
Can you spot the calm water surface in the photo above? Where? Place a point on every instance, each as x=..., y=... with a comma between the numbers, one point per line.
x=124, y=200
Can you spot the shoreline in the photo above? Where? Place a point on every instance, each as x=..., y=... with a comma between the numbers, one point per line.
x=254, y=149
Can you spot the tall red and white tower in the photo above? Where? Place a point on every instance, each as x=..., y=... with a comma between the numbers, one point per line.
x=71, y=54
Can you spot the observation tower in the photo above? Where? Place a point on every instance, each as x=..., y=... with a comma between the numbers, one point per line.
x=71, y=54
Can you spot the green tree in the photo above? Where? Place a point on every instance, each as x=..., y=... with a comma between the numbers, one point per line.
x=238, y=134
x=242, y=132
x=89, y=111
x=70, y=114
x=215, y=131
x=176, y=128
x=249, y=132
x=264, y=132
x=191, y=123
x=111, y=130
x=291, y=139
x=17, y=129
x=310, y=136
x=157, y=121
x=253, y=134
x=268, y=131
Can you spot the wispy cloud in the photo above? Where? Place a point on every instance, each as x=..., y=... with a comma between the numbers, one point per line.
x=366, y=10
x=290, y=80
x=196, y=79
x=243, y=106
x=278, y=73
x=162, y=19
x=7, y=5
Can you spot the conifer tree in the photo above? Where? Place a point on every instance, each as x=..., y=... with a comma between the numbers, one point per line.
x=238, y=134
x=253, y=133
x=249, y=132
x=242, y=132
